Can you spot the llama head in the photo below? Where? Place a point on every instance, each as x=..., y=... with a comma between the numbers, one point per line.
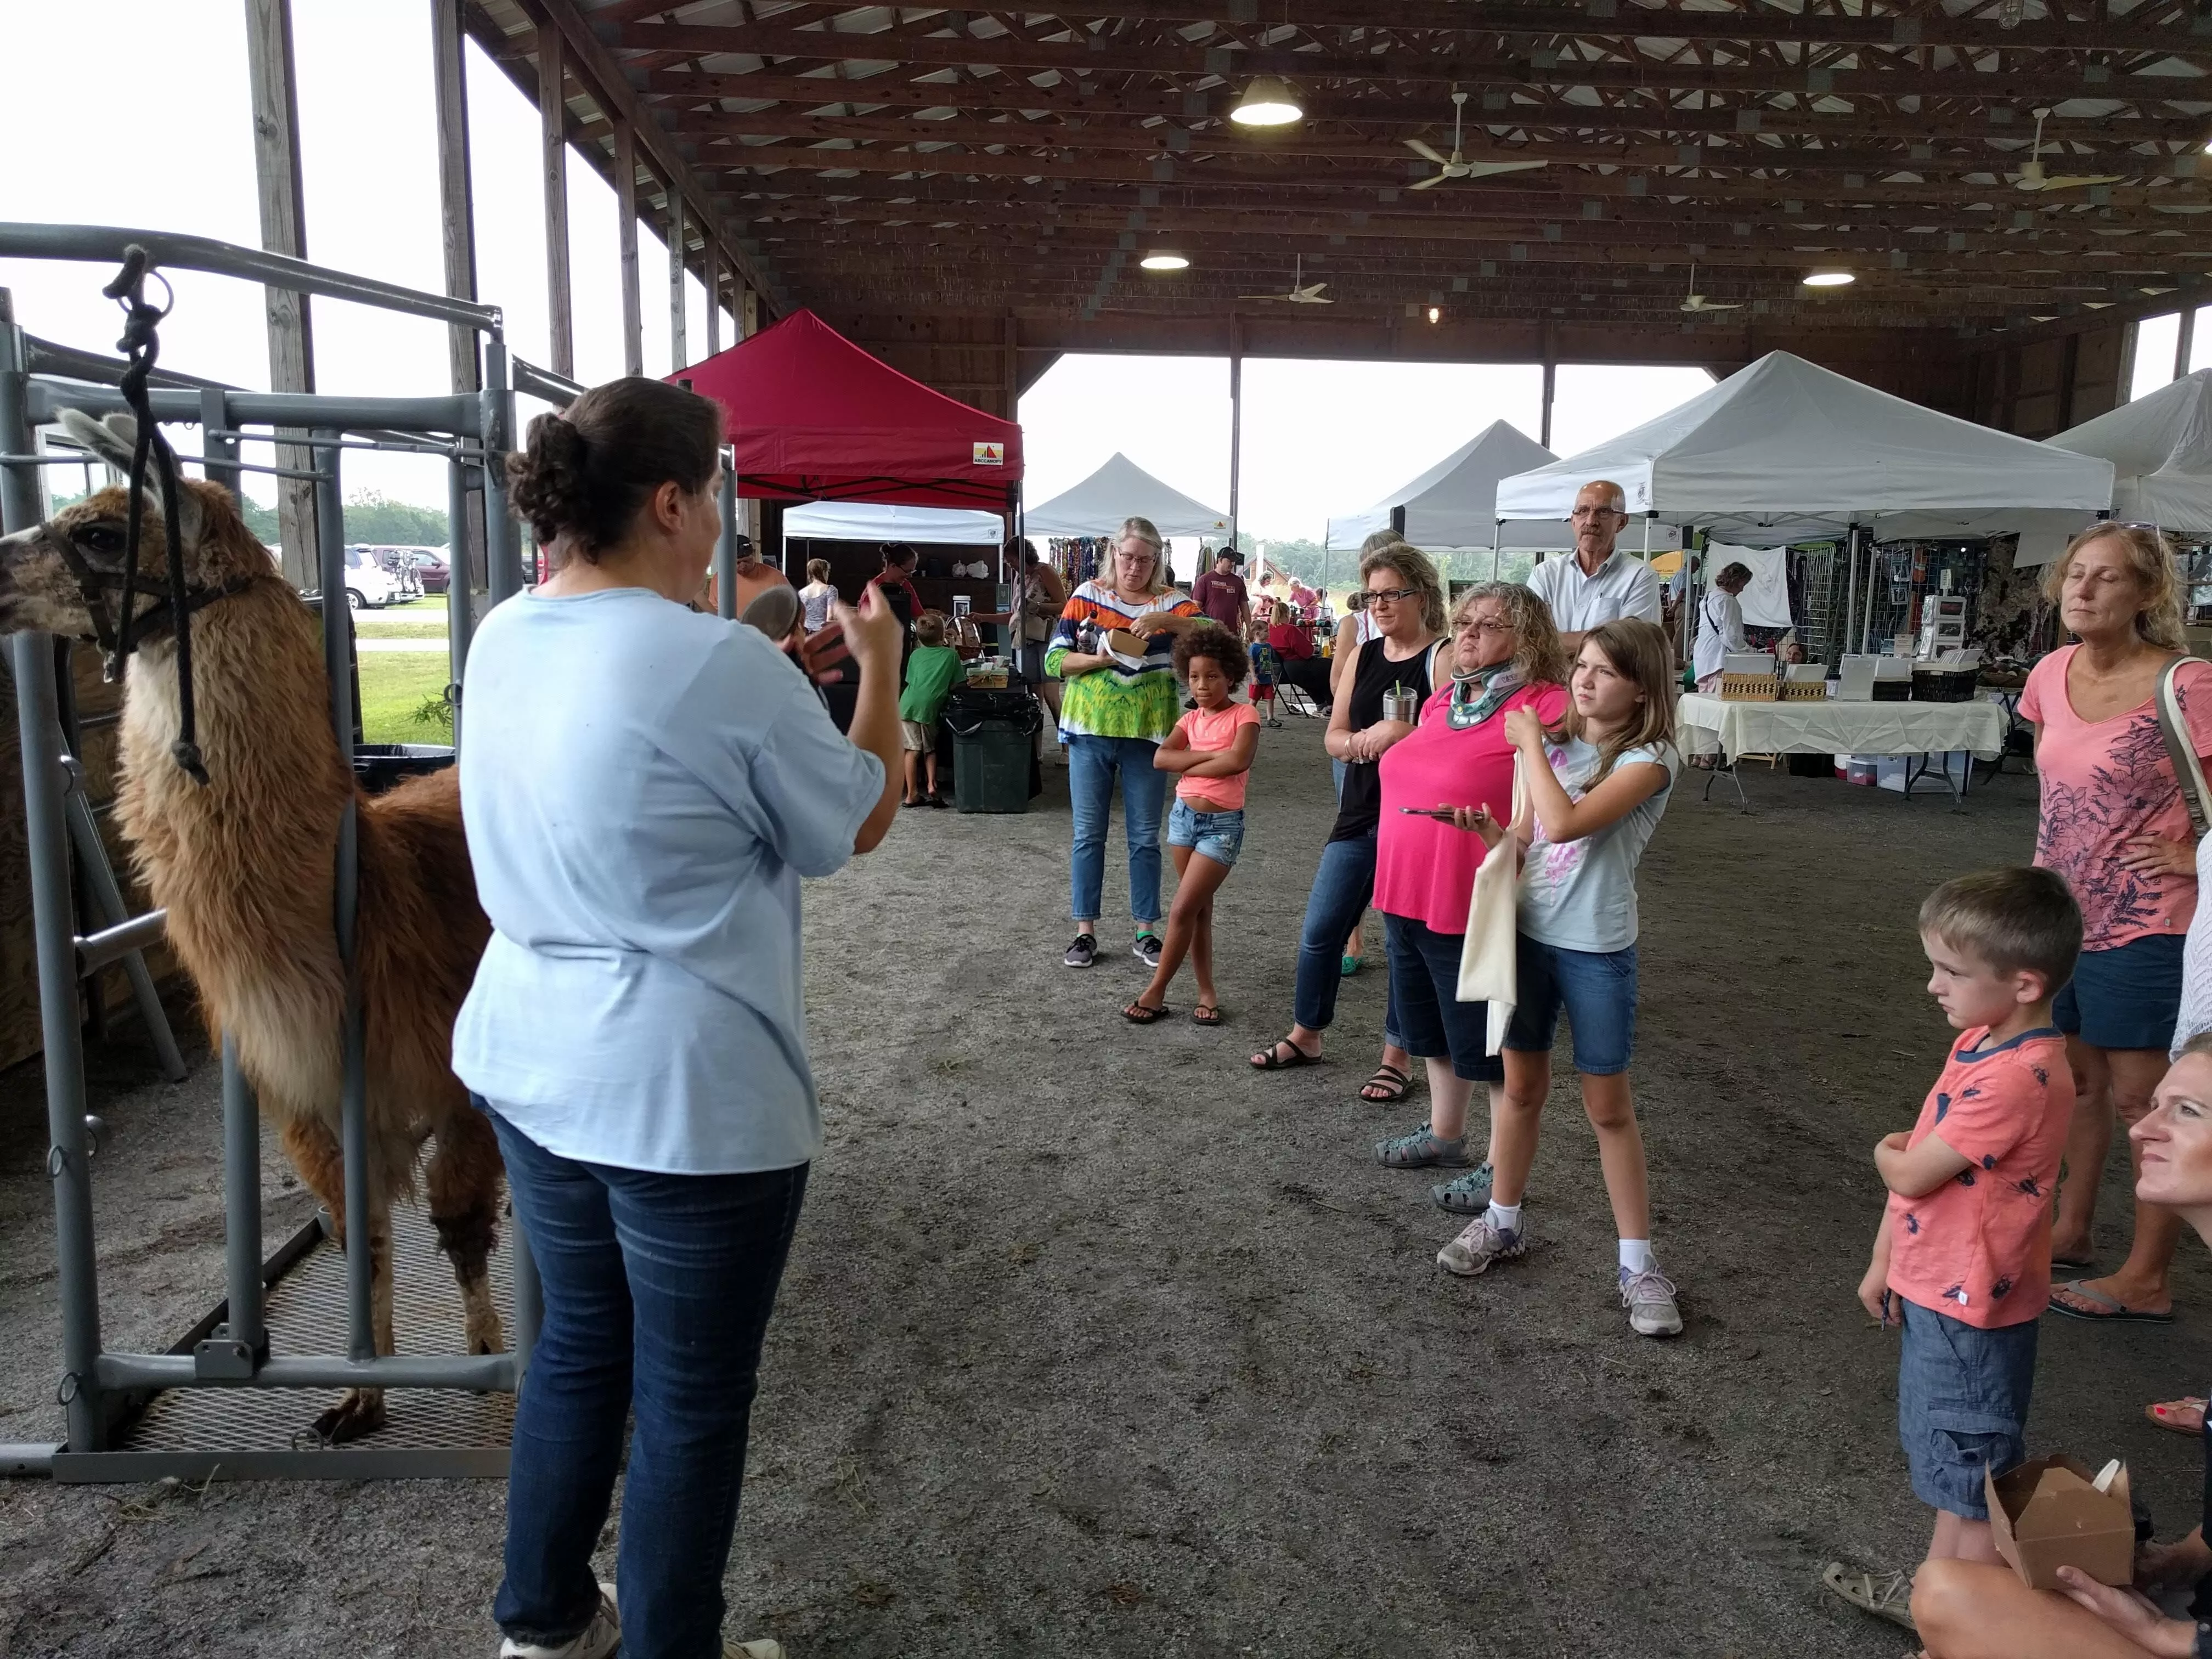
x=39, y=584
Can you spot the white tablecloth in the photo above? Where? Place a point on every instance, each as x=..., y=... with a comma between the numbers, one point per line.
x=1834, y=726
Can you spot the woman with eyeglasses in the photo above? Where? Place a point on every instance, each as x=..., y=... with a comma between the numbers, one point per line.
x=1406, y=598
x=1118, y=707
x=1506, y=656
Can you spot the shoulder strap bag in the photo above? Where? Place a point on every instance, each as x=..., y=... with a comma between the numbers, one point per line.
x=1488, y=954
x=2181, y=749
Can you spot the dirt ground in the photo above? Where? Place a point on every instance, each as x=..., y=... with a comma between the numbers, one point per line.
x=1096, y=1342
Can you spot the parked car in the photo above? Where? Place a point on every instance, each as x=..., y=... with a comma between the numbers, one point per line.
x=430, y=568
x=368, y=585
x=395, y=563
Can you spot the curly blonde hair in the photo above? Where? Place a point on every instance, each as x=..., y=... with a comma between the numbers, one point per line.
x=2150, y=556
x=1415, y=570
x=1540, y=658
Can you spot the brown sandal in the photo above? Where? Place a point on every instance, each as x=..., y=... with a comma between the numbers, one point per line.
x=1137, y=1014
x=1206, y=1013
x=1390, y=1078
x=1270, y=1058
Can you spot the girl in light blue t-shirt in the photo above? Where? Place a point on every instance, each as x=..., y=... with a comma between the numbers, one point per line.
x=1596, y=787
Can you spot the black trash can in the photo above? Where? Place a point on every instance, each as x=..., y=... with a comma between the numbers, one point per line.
x=381, y=765
x=994, y=748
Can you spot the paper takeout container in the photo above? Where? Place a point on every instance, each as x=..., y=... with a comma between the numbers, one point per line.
x=2046, y=1515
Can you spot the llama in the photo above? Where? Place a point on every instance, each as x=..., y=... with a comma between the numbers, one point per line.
x=244, y=864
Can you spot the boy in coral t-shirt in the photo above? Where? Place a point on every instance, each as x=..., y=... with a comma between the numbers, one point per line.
x=1962, y=1261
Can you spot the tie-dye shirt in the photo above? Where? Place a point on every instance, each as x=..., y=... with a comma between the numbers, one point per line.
x=1977, y=1249
x=2104, y=782
x=1581, y=894
x=1119, y=701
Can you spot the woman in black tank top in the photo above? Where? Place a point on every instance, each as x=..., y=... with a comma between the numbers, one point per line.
x=1407, y=598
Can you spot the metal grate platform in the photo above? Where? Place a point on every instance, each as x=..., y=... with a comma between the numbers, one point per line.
x=248, y=1433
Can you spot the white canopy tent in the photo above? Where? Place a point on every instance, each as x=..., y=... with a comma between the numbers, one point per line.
x=872, y=521
x=2161, y=448
x=1453, y=505
x=1122, y=490
x=1786, y=451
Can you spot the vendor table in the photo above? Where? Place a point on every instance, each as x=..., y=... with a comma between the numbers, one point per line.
x=1830, y=726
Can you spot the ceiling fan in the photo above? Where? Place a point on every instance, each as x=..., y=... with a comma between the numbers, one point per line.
x=1301, y=292
x=2031, y=174
x=1456, y=166
x=1698, y=301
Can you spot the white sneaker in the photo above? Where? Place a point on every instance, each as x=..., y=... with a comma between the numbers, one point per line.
x=1480, y=1244
x=602, y=1636
x=1649, y=1298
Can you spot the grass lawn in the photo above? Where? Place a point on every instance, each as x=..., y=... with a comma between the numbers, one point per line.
x=371, y=626
x=394, y=685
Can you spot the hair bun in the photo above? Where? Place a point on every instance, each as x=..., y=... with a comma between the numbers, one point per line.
x=547, y=480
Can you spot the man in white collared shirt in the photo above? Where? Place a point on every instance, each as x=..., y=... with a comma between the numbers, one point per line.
x=1598, y=584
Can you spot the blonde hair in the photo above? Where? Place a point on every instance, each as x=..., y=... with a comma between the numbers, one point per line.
x=1638, y=650
x=818, y=570
x=2151, y=560
x=2014, y=919
x=1144, y=530
x=1281, y=613
x=1539, y=655
x=1381, y=538
x=1414, y=567
x=929, y=627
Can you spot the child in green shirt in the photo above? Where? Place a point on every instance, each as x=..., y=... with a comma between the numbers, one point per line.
x=931, y=673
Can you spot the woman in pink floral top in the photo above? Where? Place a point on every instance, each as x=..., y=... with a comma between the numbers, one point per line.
x=2113, y=823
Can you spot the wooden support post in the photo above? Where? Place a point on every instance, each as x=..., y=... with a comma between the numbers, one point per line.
x=713, y=277
x=748, y=313
x=284, y=230
x=553, y=120
x=1236, y=418
x=457, y=207
x=678, y=347
x=1550, y=386
x=1013, y=367
x=626, y=241
x=2184, y=342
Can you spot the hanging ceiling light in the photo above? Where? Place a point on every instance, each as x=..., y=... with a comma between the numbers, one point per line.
x=1829, y=279
x=1435, y=313
x=1164, y=260
x=1268, y=101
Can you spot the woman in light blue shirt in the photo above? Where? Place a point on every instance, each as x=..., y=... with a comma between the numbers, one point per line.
x=643, y=787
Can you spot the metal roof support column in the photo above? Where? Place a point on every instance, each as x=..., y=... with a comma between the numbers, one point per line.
x=2184, y=342
x=679, y=353
x=713, y=276
x=283, y=230
x=553, y=110
x=1236, y=418
x=457, y=211
x=626, y=241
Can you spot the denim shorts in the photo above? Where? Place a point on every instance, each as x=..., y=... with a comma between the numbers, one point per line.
x=1217, y=835
x=1597, y=990
x=2126, y=997
x=1424, y=1000
x=1961, y=1404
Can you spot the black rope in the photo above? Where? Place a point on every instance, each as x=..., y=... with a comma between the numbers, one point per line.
x=141, y=344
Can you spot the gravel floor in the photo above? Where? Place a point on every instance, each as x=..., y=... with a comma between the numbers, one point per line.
x=1096, y=1342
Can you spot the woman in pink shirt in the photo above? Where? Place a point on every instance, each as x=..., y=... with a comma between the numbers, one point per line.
x=1506, y=656
x=2113, y=825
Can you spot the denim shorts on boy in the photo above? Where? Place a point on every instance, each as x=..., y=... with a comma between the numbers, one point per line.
x=916, y=737
x=2125, y=998
x=1597, y=990
x=1217, y=835
x=1431, y=1021
x=1961, y=1404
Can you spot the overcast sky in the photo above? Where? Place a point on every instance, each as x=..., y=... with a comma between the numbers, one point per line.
x=167, y=146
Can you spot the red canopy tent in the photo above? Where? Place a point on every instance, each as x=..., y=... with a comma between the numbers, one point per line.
x=812, y=417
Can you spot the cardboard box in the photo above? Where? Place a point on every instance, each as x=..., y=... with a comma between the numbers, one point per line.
x=2046, y=1515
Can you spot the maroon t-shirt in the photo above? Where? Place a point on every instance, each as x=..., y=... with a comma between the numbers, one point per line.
x=1221, y=598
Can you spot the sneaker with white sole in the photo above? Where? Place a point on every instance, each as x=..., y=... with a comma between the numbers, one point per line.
x=598, y=1639
x=1082, y=953
x=763, y=1647
x=1420, y=1150
x=1147, y=949
x=1481, y=1244
x=1649, y=1298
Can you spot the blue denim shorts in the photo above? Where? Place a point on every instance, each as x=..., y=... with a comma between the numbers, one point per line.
x=1961, y=1404
x=1597, y=990
x=2125, y=998
x=1217, y=835
x=1425, y=1001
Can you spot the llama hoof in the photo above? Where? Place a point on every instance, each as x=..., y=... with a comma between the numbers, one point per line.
x=361, y=1412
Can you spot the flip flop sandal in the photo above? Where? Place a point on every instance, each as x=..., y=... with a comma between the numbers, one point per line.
x=2182, y=1416
x=2115, y=1312
x=1206, y=1013
x=1888, y=1597
x=1388, y=1078
x=1350, y=966
x=1137, y=1014
x=1272, y=1059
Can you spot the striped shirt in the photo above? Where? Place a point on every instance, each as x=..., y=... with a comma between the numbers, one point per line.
x=1118, y=701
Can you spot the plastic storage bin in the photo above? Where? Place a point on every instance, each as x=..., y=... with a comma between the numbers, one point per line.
x=994, y=749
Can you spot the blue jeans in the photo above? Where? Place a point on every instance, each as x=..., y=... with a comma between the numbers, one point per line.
x=1342, y=885
x=1596, y=988
x=658, y=1290
x=1091, y=764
